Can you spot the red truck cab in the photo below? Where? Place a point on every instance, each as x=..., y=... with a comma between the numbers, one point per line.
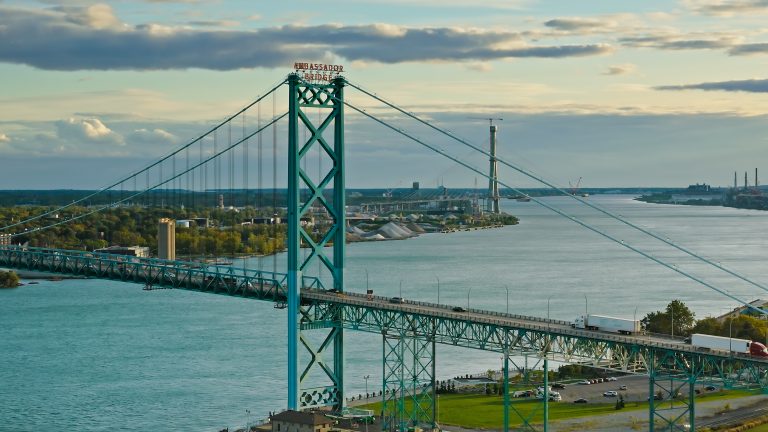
x=758, y=350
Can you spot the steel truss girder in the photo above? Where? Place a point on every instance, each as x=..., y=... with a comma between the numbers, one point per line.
x=330, y=97
x=609, y=352
x=408, y=381
x=192, y=276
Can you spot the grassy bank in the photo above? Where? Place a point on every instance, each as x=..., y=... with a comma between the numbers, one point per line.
x=486, y=412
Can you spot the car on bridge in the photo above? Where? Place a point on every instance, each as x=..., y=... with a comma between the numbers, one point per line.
x=459, y=309
x=398, y=300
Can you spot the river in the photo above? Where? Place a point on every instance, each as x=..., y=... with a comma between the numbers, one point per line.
x=91, y=355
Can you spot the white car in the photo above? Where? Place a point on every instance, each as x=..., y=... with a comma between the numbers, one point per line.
x=611, y=393
x=585, y=382
x=611, y=379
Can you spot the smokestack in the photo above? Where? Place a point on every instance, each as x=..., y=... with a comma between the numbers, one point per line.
x=745, y=180
x=756, y=178
x=735, y=184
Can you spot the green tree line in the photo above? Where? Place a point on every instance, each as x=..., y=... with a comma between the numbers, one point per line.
x=137, y=226
x=679, y=320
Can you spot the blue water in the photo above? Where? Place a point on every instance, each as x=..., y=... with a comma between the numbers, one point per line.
x=92, y=355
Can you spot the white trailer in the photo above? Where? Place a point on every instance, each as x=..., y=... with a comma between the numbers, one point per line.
x=720, y=343
x=606, y=323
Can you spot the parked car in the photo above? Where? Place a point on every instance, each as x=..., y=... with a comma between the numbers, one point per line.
x=459, y=309
x=611, y=393
x=585, y=382
x=558, y=386
x=396, y=300
x=582, y=400
x=622, y=387
x=611, y=379
x=710, y=388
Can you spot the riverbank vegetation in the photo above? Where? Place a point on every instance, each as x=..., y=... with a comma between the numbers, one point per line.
x=679, y=320
x=9, y=279
x=218, y=232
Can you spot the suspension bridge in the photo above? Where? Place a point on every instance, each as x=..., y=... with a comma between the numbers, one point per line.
x=321, y=307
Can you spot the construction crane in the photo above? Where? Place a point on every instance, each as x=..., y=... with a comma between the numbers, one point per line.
x=574, y=190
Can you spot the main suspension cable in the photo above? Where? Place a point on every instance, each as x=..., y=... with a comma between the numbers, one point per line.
x=562, y=213
x=148, y=167
x=549, y=184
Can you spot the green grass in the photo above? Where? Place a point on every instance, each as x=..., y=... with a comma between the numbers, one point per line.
x=761, y=428
x=486, y=412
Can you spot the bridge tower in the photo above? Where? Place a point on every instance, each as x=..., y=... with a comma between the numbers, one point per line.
x=493, y=183
x=326, y=358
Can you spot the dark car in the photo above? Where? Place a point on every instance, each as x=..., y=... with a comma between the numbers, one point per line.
x=396, y=300
x=582, y=400
x=710, y=388
x=459, y=309
x=558, y=386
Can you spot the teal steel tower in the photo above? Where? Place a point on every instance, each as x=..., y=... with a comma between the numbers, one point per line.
x=326, y=358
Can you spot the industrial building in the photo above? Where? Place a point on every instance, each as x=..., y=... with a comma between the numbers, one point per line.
x=133, y=251
x=166, y=239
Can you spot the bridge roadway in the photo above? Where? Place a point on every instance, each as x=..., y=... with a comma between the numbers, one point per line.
x=473, y=328
x=556, y=329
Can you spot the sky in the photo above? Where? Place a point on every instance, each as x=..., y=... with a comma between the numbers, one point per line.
x=620, y=94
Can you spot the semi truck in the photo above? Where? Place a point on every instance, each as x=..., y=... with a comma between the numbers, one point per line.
x=606, y=323
x=743, y=346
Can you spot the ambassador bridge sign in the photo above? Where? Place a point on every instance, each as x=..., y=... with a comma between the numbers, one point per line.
x=318, y=72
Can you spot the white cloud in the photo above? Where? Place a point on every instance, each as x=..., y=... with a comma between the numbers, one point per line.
x=4, y=138
x=89, y=129
x=56, y=39
x=98, y=16
x=150, y=137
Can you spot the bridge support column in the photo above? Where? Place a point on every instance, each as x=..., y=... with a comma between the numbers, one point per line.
x=526, y=418
x=307, y=193
x=408, y=382
x=671, y=391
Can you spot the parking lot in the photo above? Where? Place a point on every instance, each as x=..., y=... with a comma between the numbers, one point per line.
x=636, y=390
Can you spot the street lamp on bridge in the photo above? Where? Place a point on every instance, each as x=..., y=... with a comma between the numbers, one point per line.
x=438, y=289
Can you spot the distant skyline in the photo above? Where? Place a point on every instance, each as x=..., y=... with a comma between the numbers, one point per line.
x=658, y=93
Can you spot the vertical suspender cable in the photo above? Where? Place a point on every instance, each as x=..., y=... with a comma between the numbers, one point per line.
x=275, y=244
x=260, y=175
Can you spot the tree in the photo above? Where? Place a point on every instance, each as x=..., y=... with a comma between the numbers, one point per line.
x=675, y=319
x=9, y=279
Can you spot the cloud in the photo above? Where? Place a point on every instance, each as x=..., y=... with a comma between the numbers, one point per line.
x=214, y=23
x=749, y=86
x=680, y=42
x=749, y=49
x=89, y=129
x=151, y=137
x=480, y=67
x=728, y=8
x=575, y=24
x=92, y=38
x=621, y=69
x=97, y=16
x=4, y=138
